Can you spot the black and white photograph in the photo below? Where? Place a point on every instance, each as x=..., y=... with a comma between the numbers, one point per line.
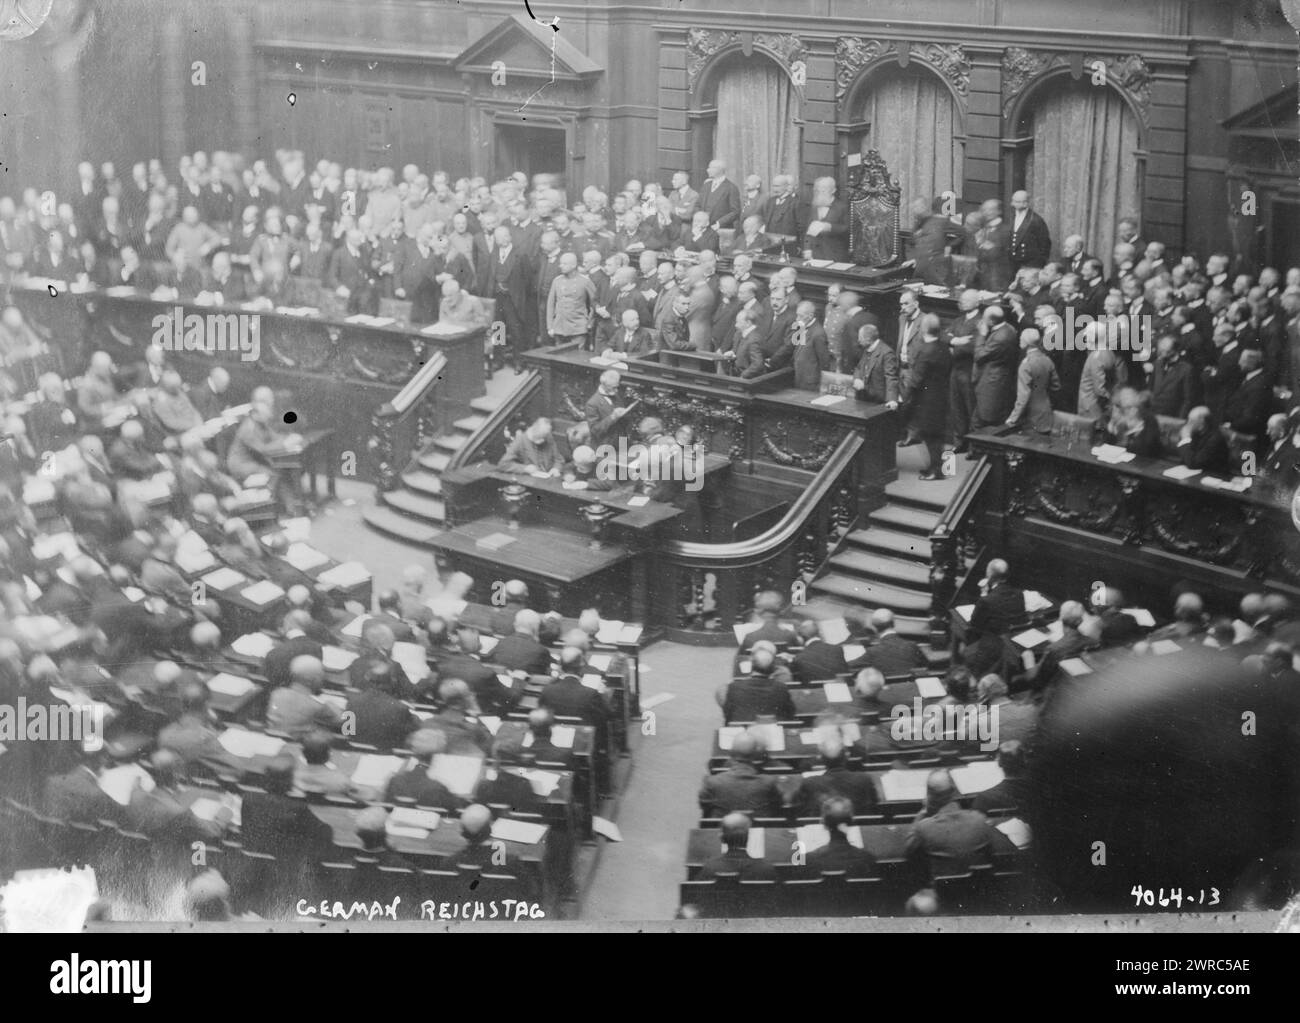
x=698, y=466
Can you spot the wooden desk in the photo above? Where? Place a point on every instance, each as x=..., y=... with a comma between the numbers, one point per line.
x=317, y=454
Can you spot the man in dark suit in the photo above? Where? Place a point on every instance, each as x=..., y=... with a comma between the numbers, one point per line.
x=720, y=198
x=760, y=694
x=348, y=274
x=1171, y=380
x=273, y=823
x=1002, y=606
x=414, y=783
x=875, y=377
x=812, y=353
x=160, y=814
x=1248, y=407
x=602, y=413
x=1031, y=242
x=1011, y=792
x=767, y=606
x=782, y=216
x=508, y=286
x=818, y=660
x=839, y=854
x=735, y=858
x=568, y=697
x=76, y=796
x=742, y=787
x=891, y=654
x=1202, y=446
x=945, y=838
x=837, y=780
x=491, y=694
x=826, y=223
x=993, y=248
x=492, y=857
x=995, y=356
x=521, y=651
x=1115, y=626
x=379, y=717
x=925, y=392
x=275, y=665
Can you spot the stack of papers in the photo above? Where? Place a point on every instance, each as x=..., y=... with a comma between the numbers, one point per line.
x=600, y=662
x=523, y=832
x=1165, y=646
x=119, y=782
x=977, y=777
x=413, y=659
x=239, y=742
x=827, y=399
x=543, y=782
x=344, y=576
x=1031, y=638
x=407, y=817
x=441, y=329
x=930, y=688
x=255, y=644
x=1016, y=830
x=965, y=610
x=1238, y=484
x=1035, y=601
x=224, y=579
x=230, y=685
x=838, y=692
x=262, y=593
x=1141, y=615
x=336, y=658
x=374, y=769
x=1074, y=667
x=1112, y=454
x=903, y=786
x=1181, y=472
x=305, y=558
x=459, y=774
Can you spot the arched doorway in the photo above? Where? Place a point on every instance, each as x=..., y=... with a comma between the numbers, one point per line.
x=747, y=114
x=909, y=115
x=1079, y=154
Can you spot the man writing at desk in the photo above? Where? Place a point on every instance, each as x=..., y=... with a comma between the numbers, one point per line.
x=533, y=451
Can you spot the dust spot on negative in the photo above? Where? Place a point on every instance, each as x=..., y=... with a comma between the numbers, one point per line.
x=291, y=417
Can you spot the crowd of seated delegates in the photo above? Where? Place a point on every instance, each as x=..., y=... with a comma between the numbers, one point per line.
x=78, y=630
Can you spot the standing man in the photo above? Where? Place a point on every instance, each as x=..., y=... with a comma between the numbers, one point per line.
x=876, y=376
x=720, y=198
x=571, y=304
x=961, y=334
x=1036, y=382
x=826, y=235
x=685, y=200
x=812, y=353
x=1031, y=242
x=993, y=244
x=996, y=354
x=927, y=390
x=781, y=213
x=601, y=412
x=909, y=336
x=508, y=288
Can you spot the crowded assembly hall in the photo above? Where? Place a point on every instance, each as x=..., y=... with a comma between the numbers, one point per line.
x=664, y=463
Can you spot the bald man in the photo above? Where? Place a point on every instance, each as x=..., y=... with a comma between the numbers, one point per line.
x=719, y=197
x=734, y=858
x=602, y=411
x=491, y=856
x=160, y=813
x=1031, y=242
x=1001, y=607
x=295, y=628
x=945, y=838
x=521, y=650
x=837, y=780
x=742, y=787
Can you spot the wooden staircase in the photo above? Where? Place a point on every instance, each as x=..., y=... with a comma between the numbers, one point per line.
x=887, y=564
x=414, y=512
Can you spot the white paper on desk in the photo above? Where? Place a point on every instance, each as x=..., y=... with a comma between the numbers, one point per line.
x=1181, y=472
x=827, y=399
x=977, y=777
x=600, y=662
x=523, y=832
x=903, y=786
x=401, y=831
x=834, y=630
x=852, y=651
x=459, y=774
x=1141, y=615
x=727, y=735
x=240, y=742
x=742, y=631
x=304, y=557
x=1055, y=630
x=1165, y=646
x=413, y=659
x=133, y=594
x=562, y=736
x=813, y=836
x=1035, y=601
x=628, y=635
x=965, y=611
x=1016, y=830
x=773, y=736
x=543, y=782
x=119, y=782
x=606, y=828
x=344, y=576
x=254, y=644
x=194, y=561
x=230, y=685
x=930, y=688
x=37, y=491
x=206, y=808
x=640, y=501
x=224, y=579
x=1075, y=666
x=335, y=658
x=53, y=544
x=353, y=628
x=756, y=846
x=594, y=682
x=33, y=591
x=837, y=692
x=486, y=644
x=409, y=817
x=1031, y=638
x=263, y=592
x=491, y=723
x=374, y=769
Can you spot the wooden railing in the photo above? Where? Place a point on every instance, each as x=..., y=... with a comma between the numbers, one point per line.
x=403, y=425
x=954, y=550
x=489, y=440
x=702, y=590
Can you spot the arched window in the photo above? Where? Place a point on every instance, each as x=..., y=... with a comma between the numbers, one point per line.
x=1080, y=161
x=754, y=114
x=910, y=117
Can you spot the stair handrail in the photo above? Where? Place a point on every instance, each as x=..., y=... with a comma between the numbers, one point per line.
x=496, y=420
x=947, y=546
x=392, y=444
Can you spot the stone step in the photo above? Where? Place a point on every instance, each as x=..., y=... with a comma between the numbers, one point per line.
x=470, y=423
x=399, y=526
x=429, y=509
x=925, y=494
x=873, y=594
x=891, y=543
x=423, y=482
x=908, y=574
x=485, y=404
x=907, y=520
x=435, y=461
x=450, y=441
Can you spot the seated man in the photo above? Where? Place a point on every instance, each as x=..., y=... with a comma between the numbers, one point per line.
x=479, y=850
x=172, y=406
x=735, y=858
x=379, y=717
x=1113, y=626
x=521, y=650
x=538, y=746
x=891, y=653
x=372, y=831
x=1011, y=792
x=818, y=660
x=414, y=783
x=584, y=473
x=839, y=854
x=767, y=607
x=1001, y=606
x=1189, y=620
x=946, y=839
x=759, y=695
x=631, y=338
x=129, y=456
x=297, y=708
x=316, y=774
x=533, y=451
x=837, y=780
x=272, y=822
x=568, y=697
x=1132, y=425
x=742, y=787
x=161, y=815
x=1201, y=445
